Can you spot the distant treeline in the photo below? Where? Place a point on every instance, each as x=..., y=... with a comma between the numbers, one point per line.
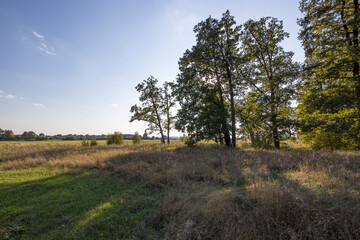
x=8, y=135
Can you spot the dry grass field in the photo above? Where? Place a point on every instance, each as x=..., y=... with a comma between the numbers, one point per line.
x=150, y=191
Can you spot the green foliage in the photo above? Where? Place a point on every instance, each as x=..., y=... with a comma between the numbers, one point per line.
x=151, y=106
x=271, y=75
x=328, y=130
x=190, y=142
x=205, y=87
x=7, y=135
x=216, y=71
x=116, y=138
x=320, y=139
x=85, y=143
x=168, y=102
x=329, y=102
x=136, y=138
x=29, y=136
x=93, y=142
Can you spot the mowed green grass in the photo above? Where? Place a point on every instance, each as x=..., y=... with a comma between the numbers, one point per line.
x=44, y=203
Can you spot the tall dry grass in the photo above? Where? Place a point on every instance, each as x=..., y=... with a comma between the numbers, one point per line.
x=218, y=193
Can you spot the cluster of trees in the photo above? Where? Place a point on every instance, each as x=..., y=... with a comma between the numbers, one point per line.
x=8, y=135
x=156, y=104
x=238, y=81
x=118, y=138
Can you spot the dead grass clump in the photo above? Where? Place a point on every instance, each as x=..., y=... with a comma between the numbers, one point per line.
x=204, y=212
x=264, y=211
x=297, y=213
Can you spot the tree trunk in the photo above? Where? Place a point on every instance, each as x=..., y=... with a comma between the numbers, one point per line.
x=227, y=139
x=276, y=138
x=162, y=133
x=356, y=67
x=224, y=125
x=168, y=123
x=168, y=135
x=232, y=106
x=273, y=119
x=252, y=138
x=275, y=131
x=159, y=124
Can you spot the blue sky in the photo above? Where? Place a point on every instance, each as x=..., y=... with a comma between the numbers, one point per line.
x=72, y=66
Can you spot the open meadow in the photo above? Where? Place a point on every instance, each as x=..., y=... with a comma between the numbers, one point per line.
x=62, y=190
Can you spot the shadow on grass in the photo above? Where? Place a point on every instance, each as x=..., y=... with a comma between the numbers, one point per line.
x=76, y=206
x=212, y=197
x=210, y=190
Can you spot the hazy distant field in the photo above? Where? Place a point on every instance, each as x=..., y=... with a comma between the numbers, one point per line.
x=70, y=142
x=61, y=190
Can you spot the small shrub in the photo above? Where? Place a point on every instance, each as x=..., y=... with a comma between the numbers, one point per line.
x=190, y=142
x=93, y=142
x=136, y=139
x=85, y=143
x=327, y=140
x=261, y=139
x=116, y=138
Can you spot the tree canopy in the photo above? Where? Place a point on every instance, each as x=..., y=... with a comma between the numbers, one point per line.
x=155, y=109
x=329, y=107
x=238, y=81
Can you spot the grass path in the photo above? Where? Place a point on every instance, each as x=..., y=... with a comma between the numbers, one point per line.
x=41, y=203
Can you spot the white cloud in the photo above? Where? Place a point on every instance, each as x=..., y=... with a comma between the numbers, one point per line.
x=43, y=45
x=47, y=50
x=38, y=105
x=9, y=96
x=38, y=35
x=114, y=105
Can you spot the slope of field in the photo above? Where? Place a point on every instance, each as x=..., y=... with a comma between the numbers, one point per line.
x=150, y=191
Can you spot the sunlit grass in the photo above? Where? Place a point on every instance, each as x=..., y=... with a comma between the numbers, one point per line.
x=44, y=203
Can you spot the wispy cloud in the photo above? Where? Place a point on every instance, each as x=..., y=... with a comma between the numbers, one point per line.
x=114, y=105
x=47, y=50
x=38, y=35
x=180, y=20
x=8, y=96
x=38, y=105
x=44, y=47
